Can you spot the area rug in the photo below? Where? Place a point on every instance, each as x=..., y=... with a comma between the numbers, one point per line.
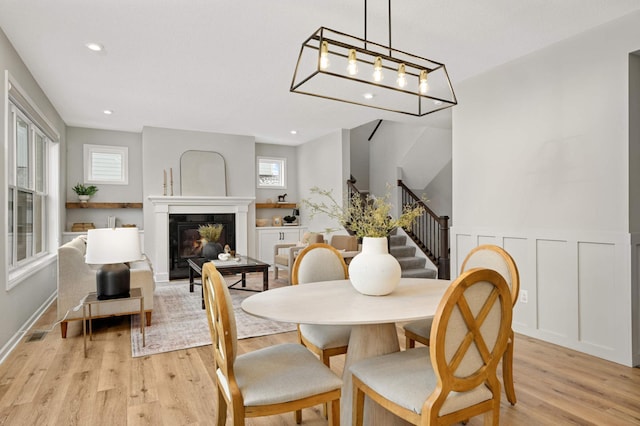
x=179, y=322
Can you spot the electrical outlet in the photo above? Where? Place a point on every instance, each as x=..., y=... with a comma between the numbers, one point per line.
x=524, y=296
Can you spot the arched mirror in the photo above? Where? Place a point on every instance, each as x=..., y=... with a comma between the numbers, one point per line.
x=203, y=173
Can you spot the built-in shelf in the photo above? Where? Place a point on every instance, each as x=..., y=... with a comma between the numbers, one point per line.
x=79, y=205
x=276, y=205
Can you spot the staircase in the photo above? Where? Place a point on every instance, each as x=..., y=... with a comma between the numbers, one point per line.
x=412, y=266
x=430, y=233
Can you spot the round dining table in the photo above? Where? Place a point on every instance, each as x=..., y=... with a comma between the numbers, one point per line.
x=372, y=319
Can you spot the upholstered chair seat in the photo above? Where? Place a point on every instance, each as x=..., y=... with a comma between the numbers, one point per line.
x=413, y=380
x=281, y=373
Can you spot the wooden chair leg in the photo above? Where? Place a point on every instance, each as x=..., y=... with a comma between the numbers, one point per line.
x=358, y=407
x=63, y=329
x=507, y=373
x=334, y=413
x=409, y=343
x=298, y=416
x=148, y=316
x=221, y=419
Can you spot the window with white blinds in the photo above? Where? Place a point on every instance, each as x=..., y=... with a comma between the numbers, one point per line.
x=105, y=164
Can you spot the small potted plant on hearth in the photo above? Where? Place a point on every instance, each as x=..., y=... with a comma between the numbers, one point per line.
x=85, y=192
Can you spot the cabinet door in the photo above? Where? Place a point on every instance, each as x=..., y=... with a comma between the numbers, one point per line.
x=267, y=238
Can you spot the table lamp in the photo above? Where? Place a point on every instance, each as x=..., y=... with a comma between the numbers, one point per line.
x=111, y=247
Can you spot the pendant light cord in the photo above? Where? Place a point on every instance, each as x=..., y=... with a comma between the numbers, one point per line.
x=365, y=26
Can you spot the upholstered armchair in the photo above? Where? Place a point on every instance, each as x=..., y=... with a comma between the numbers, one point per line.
x=285, y=254
x=347, y=245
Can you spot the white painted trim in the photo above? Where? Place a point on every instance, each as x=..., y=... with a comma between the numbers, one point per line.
x=16, y=338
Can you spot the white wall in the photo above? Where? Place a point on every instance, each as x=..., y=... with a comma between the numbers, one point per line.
x=359, y=154
x=22, y=303
x=634, y=188
x=540, y=166
x=77, y=137
x=161, y=150
x=388, y=148
x=438, y=193
x=323, y=163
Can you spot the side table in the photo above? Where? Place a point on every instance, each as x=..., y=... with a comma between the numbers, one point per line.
x=92, y=299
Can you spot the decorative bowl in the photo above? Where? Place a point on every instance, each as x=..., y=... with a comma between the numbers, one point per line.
x=263, y=222
x=224, y=256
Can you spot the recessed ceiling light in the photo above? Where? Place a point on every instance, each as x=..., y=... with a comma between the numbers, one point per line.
x=368, y=95
x=96, y=47
x=108, y=112
x=294, y=132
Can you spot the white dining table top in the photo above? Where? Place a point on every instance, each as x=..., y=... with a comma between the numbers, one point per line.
x=337, y=302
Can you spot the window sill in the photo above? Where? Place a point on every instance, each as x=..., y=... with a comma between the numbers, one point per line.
x=21, y=273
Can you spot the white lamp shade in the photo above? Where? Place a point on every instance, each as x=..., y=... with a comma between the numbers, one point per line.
x=113, y=245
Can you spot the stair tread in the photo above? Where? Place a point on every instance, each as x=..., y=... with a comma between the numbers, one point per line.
x=419, y=273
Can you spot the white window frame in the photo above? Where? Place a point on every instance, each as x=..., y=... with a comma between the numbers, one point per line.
x=18, y=104
x=90, y=150
x=282, y=164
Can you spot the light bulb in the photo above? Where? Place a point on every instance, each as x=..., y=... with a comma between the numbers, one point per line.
x=424, y=86
x=377, y=70
x=352, y=68
x=402, y=79
x=324, y=55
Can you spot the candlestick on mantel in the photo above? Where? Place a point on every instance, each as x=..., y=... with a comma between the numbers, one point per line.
x=164, y=182
x=171, y=176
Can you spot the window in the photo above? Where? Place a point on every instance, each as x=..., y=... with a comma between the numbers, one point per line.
x=272, y=173
x=106, y=164
x=27, y=191
x=31, y=165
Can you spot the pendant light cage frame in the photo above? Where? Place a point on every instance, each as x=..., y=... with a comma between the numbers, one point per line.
x=323, y=70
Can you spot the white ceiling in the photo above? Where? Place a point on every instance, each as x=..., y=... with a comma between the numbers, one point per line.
x=226, y=66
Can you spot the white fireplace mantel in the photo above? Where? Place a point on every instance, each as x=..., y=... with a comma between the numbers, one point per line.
x=163, y=206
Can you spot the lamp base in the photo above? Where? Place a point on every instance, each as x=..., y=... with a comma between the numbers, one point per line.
x=113, y=281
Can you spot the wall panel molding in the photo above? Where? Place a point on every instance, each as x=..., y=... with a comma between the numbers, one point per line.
x=579, y=286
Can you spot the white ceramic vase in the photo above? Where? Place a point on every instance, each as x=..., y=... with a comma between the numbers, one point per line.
x=374, y=271
x=84, y=198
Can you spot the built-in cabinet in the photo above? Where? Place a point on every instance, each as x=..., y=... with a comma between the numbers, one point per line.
x=268, y=237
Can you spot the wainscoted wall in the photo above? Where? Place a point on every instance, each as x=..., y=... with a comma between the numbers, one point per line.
x=578, y=287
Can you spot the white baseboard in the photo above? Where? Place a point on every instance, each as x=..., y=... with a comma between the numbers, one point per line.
x=15, y=339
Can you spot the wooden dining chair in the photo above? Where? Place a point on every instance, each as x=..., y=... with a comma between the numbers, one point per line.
x=456, y=377
x=272, y=380
x=321, y=262
x=483, y=256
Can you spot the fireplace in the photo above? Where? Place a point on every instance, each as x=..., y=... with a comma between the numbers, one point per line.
x=185, y=241
x=157, y=242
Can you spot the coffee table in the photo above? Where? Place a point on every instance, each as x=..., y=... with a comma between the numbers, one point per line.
x=230, y=267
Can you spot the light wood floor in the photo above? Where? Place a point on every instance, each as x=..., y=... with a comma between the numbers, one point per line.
x=49, y=382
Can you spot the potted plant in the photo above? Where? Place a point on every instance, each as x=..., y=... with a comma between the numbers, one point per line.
x=374, y=271
x=84, y=192
x=210, y=235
